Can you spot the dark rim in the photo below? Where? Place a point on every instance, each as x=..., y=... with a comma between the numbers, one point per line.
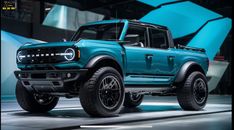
x=109, y=92
x=43, y=99
x=199, y=90
x=135, y=97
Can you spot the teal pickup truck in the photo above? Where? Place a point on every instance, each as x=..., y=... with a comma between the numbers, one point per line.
x=110, y=64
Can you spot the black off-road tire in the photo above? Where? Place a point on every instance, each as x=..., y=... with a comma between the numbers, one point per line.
x=90, y=99
x=130, y=102
x=28, y=102
x=186, y=95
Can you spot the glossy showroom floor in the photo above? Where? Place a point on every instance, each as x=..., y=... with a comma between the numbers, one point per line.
x=161, y=113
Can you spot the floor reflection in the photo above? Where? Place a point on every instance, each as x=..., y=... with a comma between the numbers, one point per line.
x=73, y=113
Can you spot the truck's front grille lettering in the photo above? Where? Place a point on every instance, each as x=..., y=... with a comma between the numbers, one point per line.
x=43, y=55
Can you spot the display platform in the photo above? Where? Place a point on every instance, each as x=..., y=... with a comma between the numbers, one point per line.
x=69, y=114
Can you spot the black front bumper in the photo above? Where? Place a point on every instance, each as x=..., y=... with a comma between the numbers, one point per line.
x=49, y=80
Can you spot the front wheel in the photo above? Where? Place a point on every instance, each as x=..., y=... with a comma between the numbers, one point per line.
x=103, y=94
x=192, y=95
x=33, y=102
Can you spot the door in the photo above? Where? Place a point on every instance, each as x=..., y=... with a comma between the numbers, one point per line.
x=136, y=50
x=164, y=58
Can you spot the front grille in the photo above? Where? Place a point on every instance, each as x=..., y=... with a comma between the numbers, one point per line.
x=42, y=55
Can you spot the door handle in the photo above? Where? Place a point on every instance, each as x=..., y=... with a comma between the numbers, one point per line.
x=149, y=56
x=171, y=58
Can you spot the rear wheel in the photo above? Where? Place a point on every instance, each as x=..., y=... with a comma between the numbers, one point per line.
x=133, y=99
x=33, y=102
x=193, y=94
x=103, y=93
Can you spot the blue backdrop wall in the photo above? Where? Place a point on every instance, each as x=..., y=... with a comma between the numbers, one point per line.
x=9, y=45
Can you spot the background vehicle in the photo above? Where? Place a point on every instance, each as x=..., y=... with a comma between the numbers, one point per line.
x=109, y=64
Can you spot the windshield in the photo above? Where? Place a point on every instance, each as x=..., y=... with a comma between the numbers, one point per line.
x=110, y=31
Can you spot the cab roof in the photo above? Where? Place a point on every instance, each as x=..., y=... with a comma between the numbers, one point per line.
x=126, y=21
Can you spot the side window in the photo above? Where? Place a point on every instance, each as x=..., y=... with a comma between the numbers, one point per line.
x=136, y=36
x=158, y=39
x=89, y=34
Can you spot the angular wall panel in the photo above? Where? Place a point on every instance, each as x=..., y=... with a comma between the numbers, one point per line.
x=68, y=18
x=181, y=18
x=156, y=3
x=211, y=36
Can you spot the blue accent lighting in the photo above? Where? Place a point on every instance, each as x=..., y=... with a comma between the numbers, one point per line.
x=10, y=43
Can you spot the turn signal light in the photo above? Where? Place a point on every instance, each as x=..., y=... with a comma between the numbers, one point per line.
x=78, y=54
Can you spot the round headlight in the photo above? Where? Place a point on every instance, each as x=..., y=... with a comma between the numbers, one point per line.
x=20, y=56
x=69, y=54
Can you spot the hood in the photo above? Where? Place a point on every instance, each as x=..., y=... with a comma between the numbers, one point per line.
x=48, y=44
x=83, y=42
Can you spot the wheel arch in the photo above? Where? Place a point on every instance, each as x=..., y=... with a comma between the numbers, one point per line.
x=103, y=60
x=187, y=69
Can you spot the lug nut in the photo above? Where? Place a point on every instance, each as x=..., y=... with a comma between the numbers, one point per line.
x=68, y=75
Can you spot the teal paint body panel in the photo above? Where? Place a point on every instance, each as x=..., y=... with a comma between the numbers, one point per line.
x=135, y=59
x=141, y=71
x=124, y=31
x=181, y=18
x=211, y=36
x=92, y=48
x=183, y=56
x=161, y=65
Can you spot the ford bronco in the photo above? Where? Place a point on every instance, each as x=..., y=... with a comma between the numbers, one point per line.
x=110, y=64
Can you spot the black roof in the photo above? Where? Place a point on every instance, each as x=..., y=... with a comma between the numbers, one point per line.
x=147, y=24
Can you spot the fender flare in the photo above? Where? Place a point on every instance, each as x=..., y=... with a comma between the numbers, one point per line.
x=99, y=58
x=184, y=70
